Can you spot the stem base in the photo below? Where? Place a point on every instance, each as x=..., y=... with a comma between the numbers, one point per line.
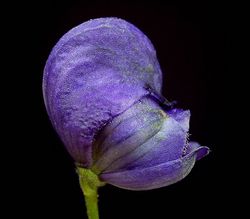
x=89, y=183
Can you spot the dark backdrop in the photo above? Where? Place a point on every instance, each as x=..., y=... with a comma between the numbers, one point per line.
x=191, y=43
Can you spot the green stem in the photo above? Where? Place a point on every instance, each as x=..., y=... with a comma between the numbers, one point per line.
x=92, y=205
x=89, y=183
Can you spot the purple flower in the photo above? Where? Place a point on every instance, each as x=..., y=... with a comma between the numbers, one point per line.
x=102, y=85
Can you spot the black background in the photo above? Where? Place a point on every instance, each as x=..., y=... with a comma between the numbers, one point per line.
x=192, y=46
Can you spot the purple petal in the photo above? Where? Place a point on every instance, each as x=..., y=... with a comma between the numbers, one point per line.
x=181, y=116
x=94, y=73
x=160, y=175
x=166, y=145
x=167, y=142
x=202, y=152
x=127, y=137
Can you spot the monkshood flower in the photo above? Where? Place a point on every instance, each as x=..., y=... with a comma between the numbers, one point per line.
x=102, y=90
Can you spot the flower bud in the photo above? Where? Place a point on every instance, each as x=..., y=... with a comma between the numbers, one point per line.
x=95, y=88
